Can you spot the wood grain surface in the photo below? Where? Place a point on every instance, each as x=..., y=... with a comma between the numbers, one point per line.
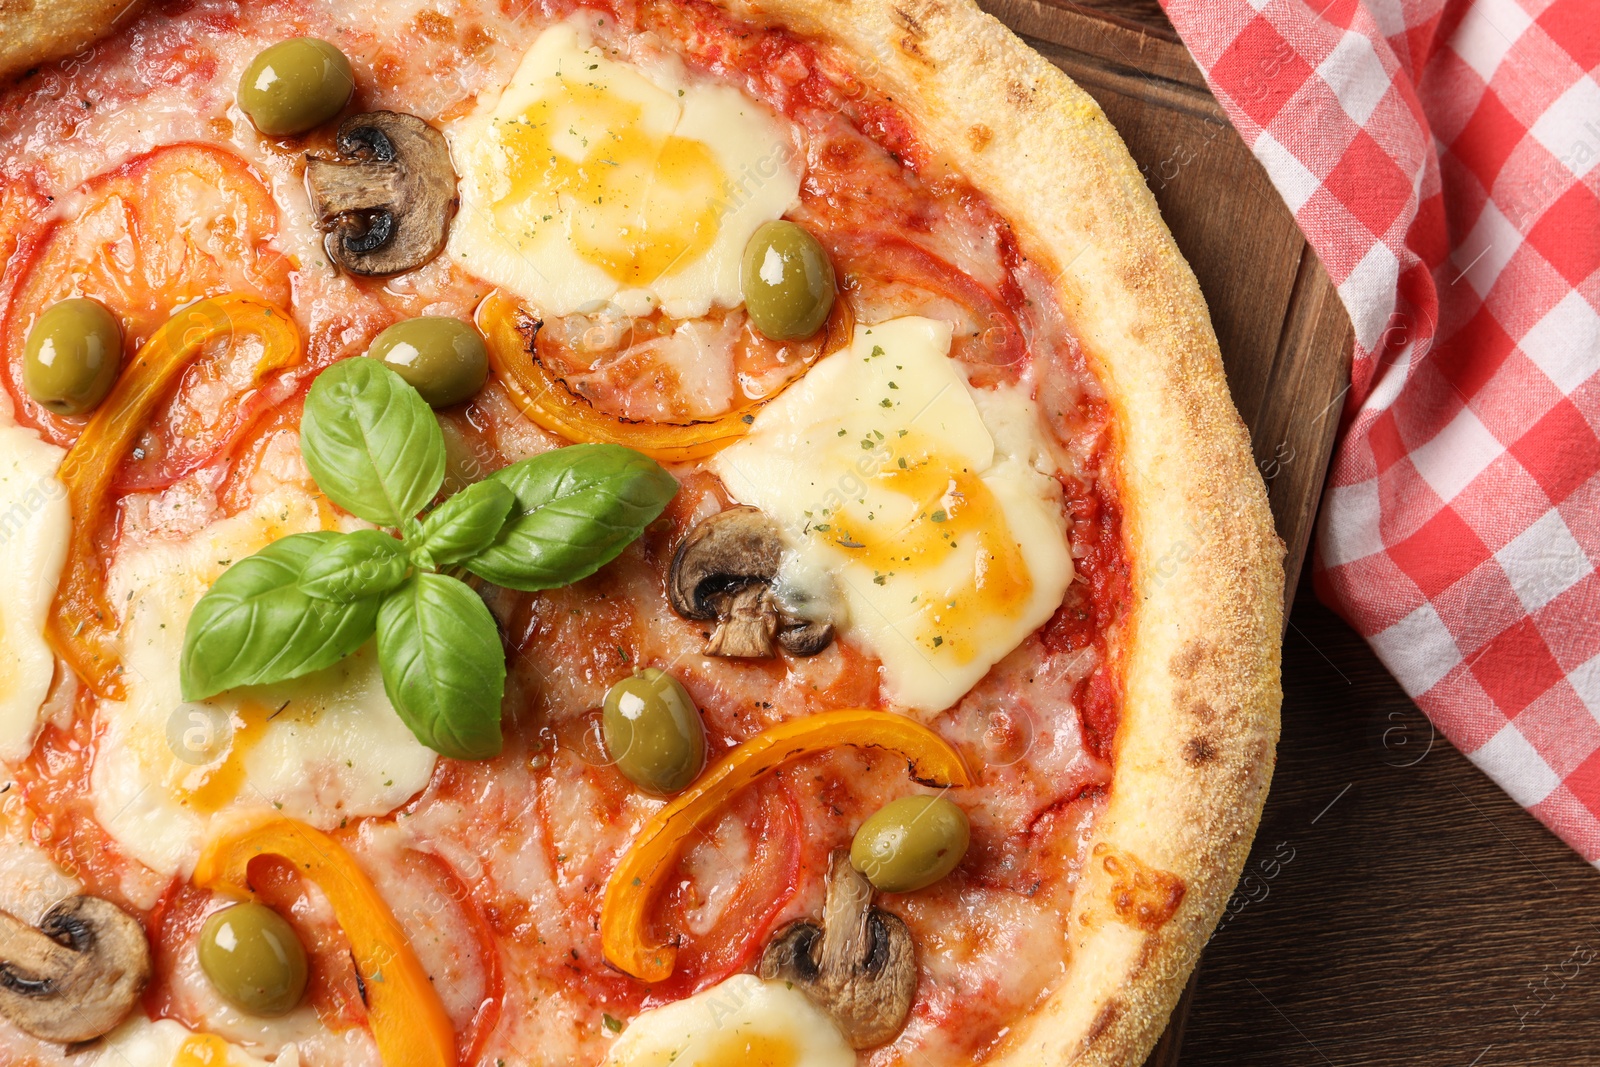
x=1284, y=336
x=1397, y=907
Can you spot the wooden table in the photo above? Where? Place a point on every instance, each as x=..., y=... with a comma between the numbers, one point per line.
x=1397, y=908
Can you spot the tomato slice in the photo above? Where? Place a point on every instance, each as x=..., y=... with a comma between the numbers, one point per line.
x=333, y=989
x=450, y=892
x=768, y=882
x=166, y=228
x=881, y=263
x=19, y=203
x=628, y=367
x=172, y=925
x=54, y=782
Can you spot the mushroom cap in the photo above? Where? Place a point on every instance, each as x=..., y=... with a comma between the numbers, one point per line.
x=388, y=198
x=806, y=638
x=860, y=965
x=724, y=569
x=76, y=975
x=735, y=547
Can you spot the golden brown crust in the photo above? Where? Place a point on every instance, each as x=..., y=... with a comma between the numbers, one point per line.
x=1201, y=690
x=1195, y=750
x=36, y=31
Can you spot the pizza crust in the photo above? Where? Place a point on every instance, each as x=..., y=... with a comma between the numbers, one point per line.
x=36, y=31
x=1194, y=753
x=1195, y=750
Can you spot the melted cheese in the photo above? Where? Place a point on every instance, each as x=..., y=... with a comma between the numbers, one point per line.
x=932, y=504
x=167, y=1043
x=592, y=178
x=30, y=881
x=320, y=748
x=34, y=525
x=742, y=1022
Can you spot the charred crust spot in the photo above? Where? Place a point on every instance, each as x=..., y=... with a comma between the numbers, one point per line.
x=1141, y=895
x=1020, y=95
x=1199, y=709
x=1103, y=1021
x=915, y=32
x=910, y=47
x=1199, y=750
x=1186, y=662
x=908, y=22
x=1147, y=953
x=979, y=136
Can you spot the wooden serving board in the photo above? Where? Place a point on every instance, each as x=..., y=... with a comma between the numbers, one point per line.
x=1284, y=335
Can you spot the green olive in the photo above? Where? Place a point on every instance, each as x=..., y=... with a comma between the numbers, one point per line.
x=253, y=959
x=444, y=358
x=788, y=281
x=295, y=85
x=72, y=356
x=653, y=732
x=910, y=843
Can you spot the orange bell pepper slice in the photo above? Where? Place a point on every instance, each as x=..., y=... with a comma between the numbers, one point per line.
x=548, y=402
x=650, y=859
x=407, y=1018
x=82, y=624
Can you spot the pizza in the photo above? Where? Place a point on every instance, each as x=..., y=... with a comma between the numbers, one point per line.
x=605, y=532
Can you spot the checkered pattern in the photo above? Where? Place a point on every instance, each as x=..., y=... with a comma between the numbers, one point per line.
x=1443, y=159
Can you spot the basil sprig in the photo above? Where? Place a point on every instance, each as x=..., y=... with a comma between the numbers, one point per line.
x=308, y=600
x=575, y=509
x=371, y=442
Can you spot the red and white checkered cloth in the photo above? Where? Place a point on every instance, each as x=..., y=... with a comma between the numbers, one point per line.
x=1443, y=158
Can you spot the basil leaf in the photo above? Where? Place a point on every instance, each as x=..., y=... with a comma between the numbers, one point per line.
x=256, y=625
x=577, y=508
x=371, y=442
x=443, y=667
x=463, y=525
x=361, y=564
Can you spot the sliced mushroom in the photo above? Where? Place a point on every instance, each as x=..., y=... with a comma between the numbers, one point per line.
x=860, y=966
x=76, y=975
x=724, y=570
x=388, y=198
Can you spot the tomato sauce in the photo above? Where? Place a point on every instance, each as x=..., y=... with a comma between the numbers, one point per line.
x=550, y=813
x=1088, y=617
x=54, y=780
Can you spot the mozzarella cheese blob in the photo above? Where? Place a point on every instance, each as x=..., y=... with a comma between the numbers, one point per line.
x=138, y=1042
x=319, y=748
x=933, y=504
x=30, y=881
x=593, y=178
x=741, y=1022
x=34, y=525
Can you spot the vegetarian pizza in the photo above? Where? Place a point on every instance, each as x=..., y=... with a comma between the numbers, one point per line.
x=604, y=533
